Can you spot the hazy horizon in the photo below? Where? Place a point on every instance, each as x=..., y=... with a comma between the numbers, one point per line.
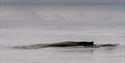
x=99, y=23
x=31, y=22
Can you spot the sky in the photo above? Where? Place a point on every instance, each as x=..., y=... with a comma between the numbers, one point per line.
x=63, y=17
x=60, y=1
x=94, y=13
x=66, y=18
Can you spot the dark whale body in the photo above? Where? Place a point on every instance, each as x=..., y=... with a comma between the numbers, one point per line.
x=70, y=43
x=67, y=44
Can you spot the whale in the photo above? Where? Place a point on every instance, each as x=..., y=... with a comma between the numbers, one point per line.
x=84, y=44
x=70, y=43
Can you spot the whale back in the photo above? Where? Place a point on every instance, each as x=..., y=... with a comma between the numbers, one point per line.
x=84, y=43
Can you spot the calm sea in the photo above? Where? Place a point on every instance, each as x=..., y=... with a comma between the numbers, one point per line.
x=26, y=25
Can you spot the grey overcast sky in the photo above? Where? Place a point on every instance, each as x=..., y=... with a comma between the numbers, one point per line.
x=60, y=1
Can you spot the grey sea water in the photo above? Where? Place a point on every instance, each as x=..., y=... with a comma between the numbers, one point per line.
x=27, y=25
